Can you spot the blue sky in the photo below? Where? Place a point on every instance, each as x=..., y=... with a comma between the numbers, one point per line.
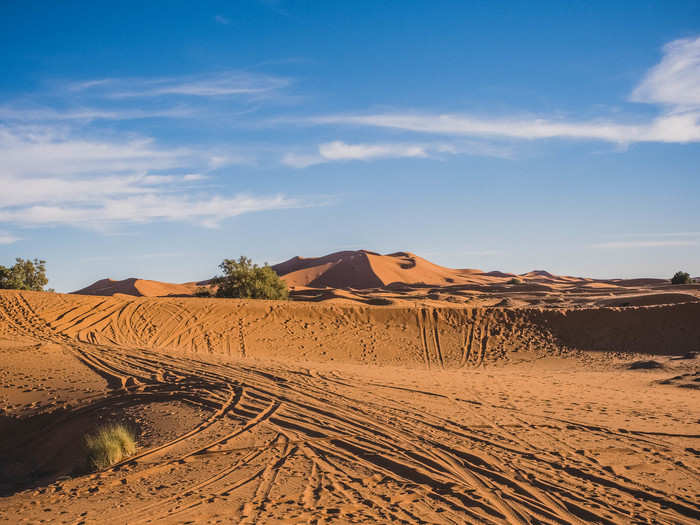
x=156, y=140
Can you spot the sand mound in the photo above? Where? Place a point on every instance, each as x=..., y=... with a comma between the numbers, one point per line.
x=138, y=288
x=649, y=299
x=364, y=269
x=645, y=365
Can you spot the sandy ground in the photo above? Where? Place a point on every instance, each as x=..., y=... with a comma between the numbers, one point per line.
x=534, y=428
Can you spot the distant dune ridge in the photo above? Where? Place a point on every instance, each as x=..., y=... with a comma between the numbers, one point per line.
x=365, y=269
x=358, y=269
x=138, y=288
x=363, y=276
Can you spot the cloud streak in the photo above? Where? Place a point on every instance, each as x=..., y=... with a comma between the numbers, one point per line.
x=675, y=81
x=679, y=127
x=51, y=178
x=644, y=244
x=6, y=238
x=339, y=151
x=665, y=234
x=50, y=151
x=87, y=114
x=223, y=84
x=207, y=211
x=674, y=84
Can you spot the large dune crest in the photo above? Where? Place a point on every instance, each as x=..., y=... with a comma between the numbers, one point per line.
x=364, y=269
x=357, y=270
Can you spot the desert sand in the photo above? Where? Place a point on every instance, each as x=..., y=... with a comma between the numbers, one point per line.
x=403, y=278
x=341, y=412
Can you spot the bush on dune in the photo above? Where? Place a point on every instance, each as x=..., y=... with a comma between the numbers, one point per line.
x=24, y=275
x=246, y=280
x=203, y=292
x=681, y=278
x=109, y=445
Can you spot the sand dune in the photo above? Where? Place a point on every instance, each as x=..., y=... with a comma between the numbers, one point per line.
x=365, y=269
x=428, y=336
x=138, y=287
x=266, y=412
x=404, y=279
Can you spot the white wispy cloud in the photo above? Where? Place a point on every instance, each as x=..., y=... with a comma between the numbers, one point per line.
x=223, y=84
x=208, y=211
x=678, y=127
x=220, y=19
x=6, y=238
x=664, y=234
x=191, y=177
x=23, y=191
x=674, y=83
x=46, y=150
x=178, y=97
x=46, y=114
x=675, y=80
x=49, y=177
x=337, y=151
x=644, y=244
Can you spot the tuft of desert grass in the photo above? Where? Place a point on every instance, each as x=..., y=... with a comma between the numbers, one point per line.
x=110, y=444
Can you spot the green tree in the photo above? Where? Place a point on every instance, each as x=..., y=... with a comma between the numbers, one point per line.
x=24, y=275
x=244, y=279
x=681, y=278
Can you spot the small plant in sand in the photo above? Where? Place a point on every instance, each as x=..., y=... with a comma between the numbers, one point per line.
x=109, y=445
x=246, y=280
x=681, y=278
x=515, y=280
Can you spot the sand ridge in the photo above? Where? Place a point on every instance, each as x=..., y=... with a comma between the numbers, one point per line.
x=138, y=287
x=408, y=334
x=495, y=415
x=404, y=279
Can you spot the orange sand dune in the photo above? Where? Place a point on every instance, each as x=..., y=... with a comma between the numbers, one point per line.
x=365, y=269
x=269, y=412
x=442, y=336
x=403, y=278
x=138, y=287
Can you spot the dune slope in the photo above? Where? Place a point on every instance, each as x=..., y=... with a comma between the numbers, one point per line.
x=425, y=336
x=227, y=434
x=137, y=287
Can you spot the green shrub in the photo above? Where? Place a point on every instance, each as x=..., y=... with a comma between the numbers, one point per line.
x=24, y=275
x=203, y=292
x=681, y=278
x=515, y=280
x=244, y=279
x=109, y=445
